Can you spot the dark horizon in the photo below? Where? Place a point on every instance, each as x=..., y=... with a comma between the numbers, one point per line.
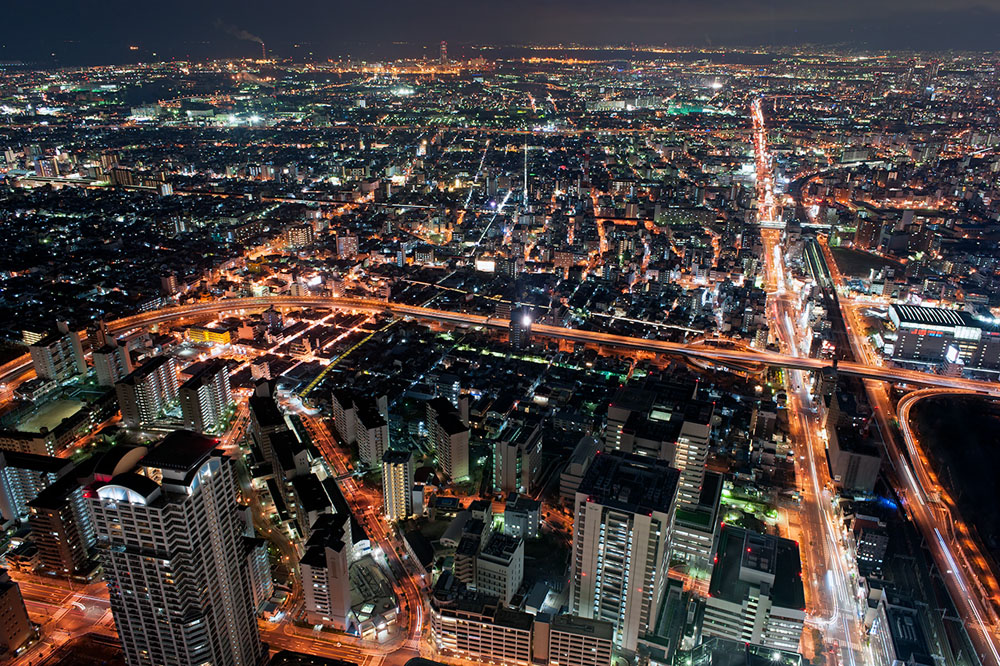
x=66, y=33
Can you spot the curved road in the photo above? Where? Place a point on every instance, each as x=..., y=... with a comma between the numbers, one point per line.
x=973, y=589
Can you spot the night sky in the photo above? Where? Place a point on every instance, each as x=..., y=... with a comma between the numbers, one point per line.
x=79, y=32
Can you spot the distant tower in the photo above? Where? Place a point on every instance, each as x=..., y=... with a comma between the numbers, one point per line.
x=444, y=53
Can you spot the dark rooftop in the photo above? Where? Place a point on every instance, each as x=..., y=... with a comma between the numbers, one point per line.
x=181, y=451
x=742, y=549
x=630, y=482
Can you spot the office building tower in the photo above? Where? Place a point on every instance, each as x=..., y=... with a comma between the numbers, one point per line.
x=22, y=477
x=756, y=594
x=15, y=627
x=62, y=528
x=621, y=535
x=520, y=328
x=58, y=355
x=169, y=533
x=691, y=454
x=517, y=459
x=932, y=336
x=397, y=484
x=444, y=53
x=326, y=583
x=169, y=284
x=147, y=391
x=522, y=516
x=112, y=363
x=449, y=438
x=895, y=629
x=500, y=566
x=206, y=398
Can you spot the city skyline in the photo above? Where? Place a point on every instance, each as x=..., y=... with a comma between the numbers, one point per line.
x=465, y=346
x=75, y=35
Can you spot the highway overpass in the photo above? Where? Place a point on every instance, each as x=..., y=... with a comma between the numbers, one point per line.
x=19, y=367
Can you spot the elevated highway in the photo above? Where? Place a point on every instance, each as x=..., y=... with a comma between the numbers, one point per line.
x=18, y=368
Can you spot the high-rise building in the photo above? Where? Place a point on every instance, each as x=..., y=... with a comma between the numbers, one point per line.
x=444, y=53
x=449, y=438
x=621, y=541
x=169, y=533
x=397, y=484
x=477, y=627
x=147, y=391
x=206, y=398
x=345, y=415
x=58, y=355
x=62, y=528
x=326, y=583
x=15, y=627
x=362, y=420
x=691, y=454
x=755, y=594
x=112, y=363
x=517, y=459
x=500, y=566
x=22, y=477
x=692, y=537
x=520, y=328
x=372, y=433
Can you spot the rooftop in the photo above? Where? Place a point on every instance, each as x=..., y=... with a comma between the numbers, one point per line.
x=918, y=314
x=630, y=482
x=741, y=550
x=181, y=451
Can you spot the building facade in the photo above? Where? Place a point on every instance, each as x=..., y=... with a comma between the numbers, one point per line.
x=397, y=484
x=169, y=533
x=621, y=542
x=147, y=391
x=206, y=398
x=59, y=355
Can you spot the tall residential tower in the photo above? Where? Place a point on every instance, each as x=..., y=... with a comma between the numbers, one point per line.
x=170, y=536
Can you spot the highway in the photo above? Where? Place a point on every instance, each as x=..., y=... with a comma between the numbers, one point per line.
x=973, y=589
x=830, y=587
x=19, y=368
x=971, y=583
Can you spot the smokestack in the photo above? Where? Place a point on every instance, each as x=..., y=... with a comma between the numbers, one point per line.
x=263, y=51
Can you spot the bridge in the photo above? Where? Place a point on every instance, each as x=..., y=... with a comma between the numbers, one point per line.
x=21, y=366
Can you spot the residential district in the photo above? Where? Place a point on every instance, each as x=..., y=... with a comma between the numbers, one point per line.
x=529, y=356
